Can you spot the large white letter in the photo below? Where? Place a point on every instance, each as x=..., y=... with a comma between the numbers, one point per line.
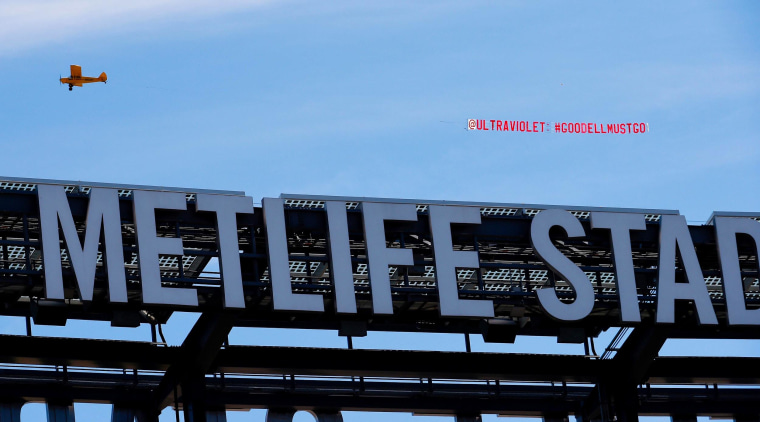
x=562, y=265
x=283, y=297
x=378, y=255
x=226, y=209
x=674, y=233
x=447, y=261
x=620, y=225
x=149, y=245
x=341, y=269
x=103, y=208
x=726, y=229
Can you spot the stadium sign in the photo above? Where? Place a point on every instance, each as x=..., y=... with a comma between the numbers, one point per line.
x=103, y=226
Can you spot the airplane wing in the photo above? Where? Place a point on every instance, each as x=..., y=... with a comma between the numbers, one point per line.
x=76, y=71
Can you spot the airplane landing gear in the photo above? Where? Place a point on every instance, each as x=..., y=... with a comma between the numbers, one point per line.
x=71, y=87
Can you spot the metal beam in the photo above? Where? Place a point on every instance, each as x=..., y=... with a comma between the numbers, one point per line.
x=198, y=351
x=409, y=364
x=330, y=393
x=639, y=352
x=358, y=362
x=615, y=395
x=85, y=352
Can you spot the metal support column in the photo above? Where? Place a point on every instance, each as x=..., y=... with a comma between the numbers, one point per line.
x=60, y=412
x=147, y=415
x=597, y=407
x=329, y=416
x=556, y=417
x=286, y=415
x=626, y=403
x=198, y=351
x=10, y=411
x=122, y=414
x=128, y=414
x=193, y=403
x=280, y=415
x=216, y=415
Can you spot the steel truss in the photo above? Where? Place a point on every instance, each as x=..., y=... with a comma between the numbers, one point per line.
x=204, y=376
x=323, y=380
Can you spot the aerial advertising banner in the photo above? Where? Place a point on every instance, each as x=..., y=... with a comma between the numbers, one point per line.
x=557, y=127
x=103, y=228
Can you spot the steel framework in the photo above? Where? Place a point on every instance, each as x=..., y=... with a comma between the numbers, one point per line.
x=205, y=375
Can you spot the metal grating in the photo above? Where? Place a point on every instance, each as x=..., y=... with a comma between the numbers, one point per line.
x=491, y=211
x=304, y=203
x=539, y=276
x=27, y=187
x=465, y=274
x=581, y=215
x=504, y=274
x=171, y=261
x=77, y=189
x=311, y=204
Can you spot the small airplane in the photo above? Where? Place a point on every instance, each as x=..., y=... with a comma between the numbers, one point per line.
x=76, y=78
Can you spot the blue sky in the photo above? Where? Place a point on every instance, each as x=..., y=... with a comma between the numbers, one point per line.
x=372, y=99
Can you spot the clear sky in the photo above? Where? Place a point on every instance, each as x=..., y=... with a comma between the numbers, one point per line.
x=373, y=98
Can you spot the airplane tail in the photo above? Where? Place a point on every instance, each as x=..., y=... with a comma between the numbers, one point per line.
x=103, y=77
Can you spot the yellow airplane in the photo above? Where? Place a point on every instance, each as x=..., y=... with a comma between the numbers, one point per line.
x=76, y=78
